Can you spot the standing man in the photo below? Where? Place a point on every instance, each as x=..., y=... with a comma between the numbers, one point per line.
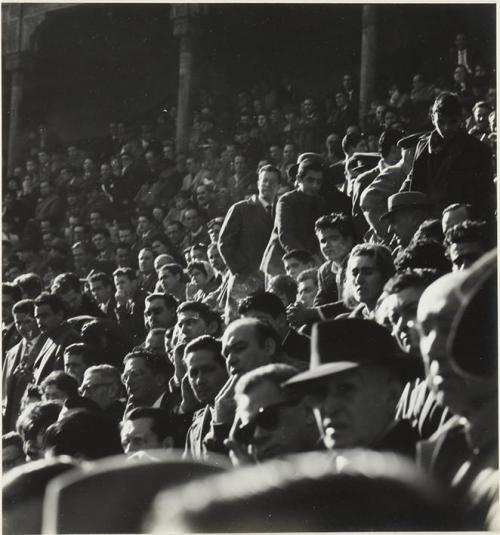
x=244, y=236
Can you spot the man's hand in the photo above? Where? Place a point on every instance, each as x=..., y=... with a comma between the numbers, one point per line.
x=297, y=314
x=224, y=404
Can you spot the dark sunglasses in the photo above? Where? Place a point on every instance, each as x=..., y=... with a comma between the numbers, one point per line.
x=267, y=418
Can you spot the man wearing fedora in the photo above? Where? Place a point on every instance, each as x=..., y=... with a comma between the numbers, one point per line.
x=354, y=381
x=297, y=212
x=405, y=213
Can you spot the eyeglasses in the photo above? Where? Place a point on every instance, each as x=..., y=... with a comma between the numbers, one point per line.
x=267, y=418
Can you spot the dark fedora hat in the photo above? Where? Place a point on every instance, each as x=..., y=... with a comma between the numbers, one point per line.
x=313, y=157
x=363, y=161
x=405, y=199
x=345, y=344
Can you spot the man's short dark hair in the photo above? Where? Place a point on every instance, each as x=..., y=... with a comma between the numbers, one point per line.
x=101, y=277
x=30, y=284
x=387, y=140
x=303, y=256
x=308, y=165
x=447, y=104
x=283, y=284
x=429, y=229
x=351, y=140
x=468, y=231
x=268, y=168
x=199, y=265
x=12, y=290
x=123, y=246
x=54, y=301
x=161, y=420
x=36, y=417
x=162, y=238
x=102, y=231
x=83, y=350
x=336, y=220
x=423, y=254
x=265, y=302
x=411, y=278
x=156, y=363
x=61, y=380
x=83, y=433
x=65, y=282
x=308, y=274
x=169, y=300
x=208, y=343
x=25, y=306
x=197, y=307
x=125, y=272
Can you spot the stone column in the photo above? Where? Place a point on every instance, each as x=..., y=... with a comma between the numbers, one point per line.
x=15, y=64
x=368, y=58
x=183, y=29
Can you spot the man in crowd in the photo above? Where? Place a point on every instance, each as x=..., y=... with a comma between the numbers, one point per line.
x=49, y=315
x=271, y=420
x=77, y=359
x=244, y=236
x=344, y=383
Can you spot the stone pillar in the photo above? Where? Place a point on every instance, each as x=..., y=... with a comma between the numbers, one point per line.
x=15, y=64
x=183, y=29
x=368, y=58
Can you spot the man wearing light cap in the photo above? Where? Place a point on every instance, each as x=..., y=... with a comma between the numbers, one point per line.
x=355, y=379
x=373, y=200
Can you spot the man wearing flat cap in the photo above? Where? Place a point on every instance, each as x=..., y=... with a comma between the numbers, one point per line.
x=373, y=200
x=405, y=213
x=355, y=379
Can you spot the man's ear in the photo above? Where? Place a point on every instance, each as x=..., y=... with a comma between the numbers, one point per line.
x=270, y=347
x=168, y=443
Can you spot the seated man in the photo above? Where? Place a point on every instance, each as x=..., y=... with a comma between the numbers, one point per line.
x=296, y=261
x=146, y=428
x=77, y=359
x=466, y=242
x=102, y=384
x=171, y=280
x=77, y=303
x=49, y=315
x=307, y=287
x=344, y=383
x=58, y=386
x=146, y=377
x=269, y=308
x=284, y=287
x=454, y=214
x=160, y=311
x=103, y=291
x=207, y=374
x=32, y=426
x=155, y=341
x=129, y=302
x=270, y=421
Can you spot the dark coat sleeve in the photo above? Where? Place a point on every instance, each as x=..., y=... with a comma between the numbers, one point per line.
x=229, y=240
x=287, y=218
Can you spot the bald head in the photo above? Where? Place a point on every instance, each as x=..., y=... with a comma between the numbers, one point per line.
x=437, y=309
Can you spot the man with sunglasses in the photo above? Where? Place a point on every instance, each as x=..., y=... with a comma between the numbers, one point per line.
x=355, y=388
x=270, y=420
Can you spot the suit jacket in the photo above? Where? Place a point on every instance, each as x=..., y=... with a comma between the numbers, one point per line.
x=199, y=428
x=296, y=214
x=461, y=173
x=244, y=236
x=297, y=346
x=10, y=337
x=46, y=356
x=327, y=285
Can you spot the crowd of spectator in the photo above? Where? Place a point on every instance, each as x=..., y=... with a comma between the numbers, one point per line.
x=297, y=279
